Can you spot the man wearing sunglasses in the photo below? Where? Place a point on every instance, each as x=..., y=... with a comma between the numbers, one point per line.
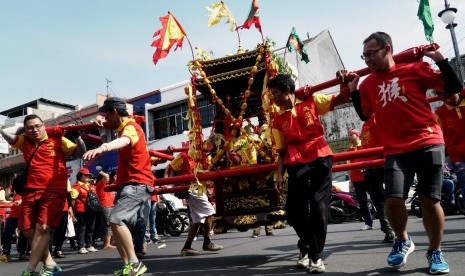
x=412, y=139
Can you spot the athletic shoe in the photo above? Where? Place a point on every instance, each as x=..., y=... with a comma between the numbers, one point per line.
x=91, y=249
x=437, y=264
x=137, y=269
x=400, y=251
x=212, y=247
x=59, y=255
x=50, y=271
x=316, y=267
x=83, y=251
x=29, y=273
x=303, y=261
x=366, y=227
x=189, y=252
x=123, y=271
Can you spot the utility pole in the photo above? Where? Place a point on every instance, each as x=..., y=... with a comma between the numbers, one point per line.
x=108, y=87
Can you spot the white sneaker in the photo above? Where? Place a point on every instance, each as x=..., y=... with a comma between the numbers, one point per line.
x=303, y=261
x=317, y=267
x=83, y=251
x=92, y=249
x=366, y=227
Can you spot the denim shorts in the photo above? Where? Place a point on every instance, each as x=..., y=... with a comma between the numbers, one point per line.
x=128, y=200
x=426, y=163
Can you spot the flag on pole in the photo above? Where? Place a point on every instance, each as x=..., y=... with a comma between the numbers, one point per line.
x=424, y=14
x=170, y=33
x=218, y=11
x=294, y=42
x=252, y=18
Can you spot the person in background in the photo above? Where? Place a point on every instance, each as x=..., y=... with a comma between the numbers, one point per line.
x=200, y=208
x=58, y=234
x=450, y=117
x=45, y=190
x=358, y=182
x=152, y=225
x=307, y=158
x=85, y=218
x=412, y=139
x=268, y=231
x=107, y=200
x=134, y=179
x=374, y=178
x=9, y=230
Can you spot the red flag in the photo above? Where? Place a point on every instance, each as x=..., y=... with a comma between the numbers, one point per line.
x=171, y=33
x=252, y=18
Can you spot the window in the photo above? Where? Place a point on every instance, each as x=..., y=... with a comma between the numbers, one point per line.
x=170, y=120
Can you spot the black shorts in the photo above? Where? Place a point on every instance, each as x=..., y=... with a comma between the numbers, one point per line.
x=426, y=163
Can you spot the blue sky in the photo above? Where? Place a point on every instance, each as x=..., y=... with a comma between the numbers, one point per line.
x=64, y=50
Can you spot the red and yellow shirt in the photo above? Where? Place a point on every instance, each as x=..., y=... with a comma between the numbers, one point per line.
x=79, y=194
x=133, y=160
x=398, y=99
x=48, y=165
x=299, y=132
x=452, y=121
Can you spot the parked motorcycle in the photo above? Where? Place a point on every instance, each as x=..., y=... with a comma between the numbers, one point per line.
x=449, y=209
x=168, y=219
x=344, y=207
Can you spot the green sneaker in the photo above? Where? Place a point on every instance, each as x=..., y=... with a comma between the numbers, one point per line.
x=137, y=269
x=123, y=271
x=50, y=271
x=29, y=273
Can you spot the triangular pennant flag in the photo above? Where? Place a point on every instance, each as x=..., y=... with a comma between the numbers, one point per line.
x=171, y=33
x=294, y=42
x=218, y=11
x=252, y=18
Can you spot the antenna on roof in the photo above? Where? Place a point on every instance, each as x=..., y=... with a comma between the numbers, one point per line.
x=108, y=87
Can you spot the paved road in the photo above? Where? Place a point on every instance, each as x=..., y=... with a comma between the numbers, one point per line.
x=348, y=252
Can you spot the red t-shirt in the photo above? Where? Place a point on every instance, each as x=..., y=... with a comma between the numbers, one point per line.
x=398, y=99
x=355, y=175
x=134, y=160
x=48, y=165
x=14, y=211
x=452, y=122
x=299, y=132
x=107, y=199
x=82, y=189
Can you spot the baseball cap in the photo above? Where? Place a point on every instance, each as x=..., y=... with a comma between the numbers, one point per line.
x=114, y=102
x=84, y=171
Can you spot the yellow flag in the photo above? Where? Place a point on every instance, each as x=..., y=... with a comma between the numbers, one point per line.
x=218, y=11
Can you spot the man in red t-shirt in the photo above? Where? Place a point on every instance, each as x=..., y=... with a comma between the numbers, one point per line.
x=302, y=148
x=374, y=177
x=358, y=180
x=412, y=139
x=45, y=191
x=450, y=117
x=134, y=178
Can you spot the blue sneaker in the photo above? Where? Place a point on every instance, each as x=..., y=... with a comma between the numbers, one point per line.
x=400, y=251
x=56, y=270
x=437, y=264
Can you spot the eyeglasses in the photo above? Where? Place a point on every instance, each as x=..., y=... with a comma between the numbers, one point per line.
x=32, y=128
x=370, y=54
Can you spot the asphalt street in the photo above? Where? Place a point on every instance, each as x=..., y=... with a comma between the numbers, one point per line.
x=348, y=251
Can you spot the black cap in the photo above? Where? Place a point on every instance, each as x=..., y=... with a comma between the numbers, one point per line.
x=116, y=103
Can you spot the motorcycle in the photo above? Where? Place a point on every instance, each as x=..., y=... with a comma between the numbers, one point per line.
x=447, y=206
x=169, y=219
x=343, y=207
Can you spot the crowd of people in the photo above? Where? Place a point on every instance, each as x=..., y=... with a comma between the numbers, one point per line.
x=392, y=102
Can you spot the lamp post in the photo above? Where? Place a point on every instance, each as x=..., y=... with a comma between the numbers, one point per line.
x=448, y=16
